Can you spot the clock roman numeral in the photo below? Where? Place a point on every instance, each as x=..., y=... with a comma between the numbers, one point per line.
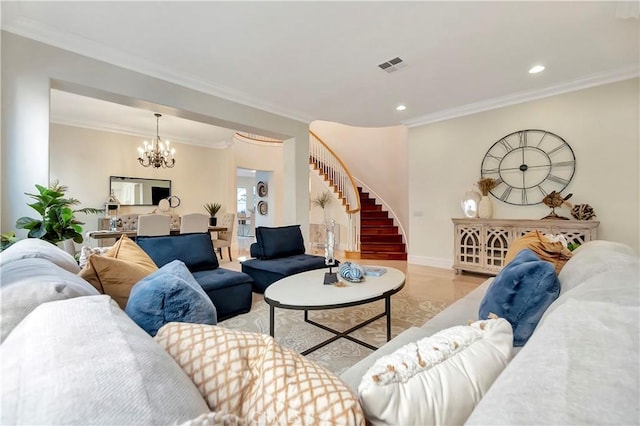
x=490, y=171
x=541, y=139
x=495, y=157
x=524, y=196
x=506, y=193
x=557, y=179
x=563, y=163
x=523, y=139
x=541, y=189
x=556, y=149
x=506, y=145
x=498, y=181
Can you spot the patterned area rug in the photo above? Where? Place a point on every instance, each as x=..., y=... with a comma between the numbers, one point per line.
x=292, y=332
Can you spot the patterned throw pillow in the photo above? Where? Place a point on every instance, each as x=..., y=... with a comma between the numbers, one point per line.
x=85, y=252
x=252, y=377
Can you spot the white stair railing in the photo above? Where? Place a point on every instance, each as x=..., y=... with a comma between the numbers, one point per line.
x=342, y=183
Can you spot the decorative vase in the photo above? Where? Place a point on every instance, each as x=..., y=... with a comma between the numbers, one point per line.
x=213, y=221
x=470, y=202
x=485, y=207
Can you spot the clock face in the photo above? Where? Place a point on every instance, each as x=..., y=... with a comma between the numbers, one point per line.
x=529, y=164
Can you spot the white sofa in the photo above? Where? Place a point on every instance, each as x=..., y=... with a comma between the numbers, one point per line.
x=71, y=356
x=580, y=366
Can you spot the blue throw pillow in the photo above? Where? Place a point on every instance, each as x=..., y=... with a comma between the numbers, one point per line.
x=169, y=294
x=279, y=242
x=520, y=293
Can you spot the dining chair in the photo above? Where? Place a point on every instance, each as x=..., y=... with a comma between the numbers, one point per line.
x=154, y=224
x=194, y=222
x=223, y=239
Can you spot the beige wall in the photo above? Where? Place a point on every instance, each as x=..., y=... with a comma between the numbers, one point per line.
x=602, y=126
x=30, y=69
x=83, y=159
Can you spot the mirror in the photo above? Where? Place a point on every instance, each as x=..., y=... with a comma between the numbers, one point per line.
x=139, y=191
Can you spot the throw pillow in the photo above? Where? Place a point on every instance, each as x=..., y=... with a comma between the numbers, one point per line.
x=554, y=252
x=216, y=419
x=130, y=254
x=520, y=293
x=278, y=242
x=28, y=283
x=438, y=379
x=85, y=252
x=117, y=276
x=36, y=248
x=252, y=377
x=83, y=361
x=169, y=294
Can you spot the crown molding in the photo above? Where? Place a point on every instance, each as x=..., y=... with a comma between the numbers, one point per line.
x=130, y=131
x=532, y=95
x=32, y=29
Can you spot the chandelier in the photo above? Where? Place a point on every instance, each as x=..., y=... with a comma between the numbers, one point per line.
x=157, y=153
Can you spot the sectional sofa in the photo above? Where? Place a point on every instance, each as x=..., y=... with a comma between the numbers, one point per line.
x=72, y=356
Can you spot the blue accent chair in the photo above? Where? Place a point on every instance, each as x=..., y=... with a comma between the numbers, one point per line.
x=230, y=291
x=277, y=253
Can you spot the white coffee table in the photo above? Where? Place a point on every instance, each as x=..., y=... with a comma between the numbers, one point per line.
x=305, y=291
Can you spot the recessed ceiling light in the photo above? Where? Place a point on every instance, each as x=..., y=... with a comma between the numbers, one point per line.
x=536, y=69
x=401, y=107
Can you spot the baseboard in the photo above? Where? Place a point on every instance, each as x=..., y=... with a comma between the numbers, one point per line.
x=435, y=262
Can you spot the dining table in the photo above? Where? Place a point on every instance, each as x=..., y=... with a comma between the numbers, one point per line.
x=103, y=234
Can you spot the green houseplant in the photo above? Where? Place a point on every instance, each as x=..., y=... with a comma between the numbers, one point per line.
x=212, y=209
x=58, y=221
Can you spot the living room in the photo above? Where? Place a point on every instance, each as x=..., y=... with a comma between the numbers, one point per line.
x=423, y=175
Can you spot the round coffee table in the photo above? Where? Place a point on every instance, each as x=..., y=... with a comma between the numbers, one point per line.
x=306, y=291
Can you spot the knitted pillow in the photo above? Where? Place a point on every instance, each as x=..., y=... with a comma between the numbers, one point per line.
x=250, y=376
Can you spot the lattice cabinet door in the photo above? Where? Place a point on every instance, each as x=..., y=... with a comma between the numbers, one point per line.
x=468, y=248
x=497, y=240
x=482, y=244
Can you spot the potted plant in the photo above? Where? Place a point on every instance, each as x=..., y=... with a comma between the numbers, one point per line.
x=58, y=222
x=323, y=200
x=212, y=209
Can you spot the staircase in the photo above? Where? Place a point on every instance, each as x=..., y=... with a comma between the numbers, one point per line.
x=369, y=227
x=379, y=237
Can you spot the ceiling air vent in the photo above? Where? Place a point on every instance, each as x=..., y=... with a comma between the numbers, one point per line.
x=392, y=65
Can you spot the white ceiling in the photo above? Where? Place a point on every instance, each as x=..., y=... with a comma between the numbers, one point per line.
x=318, y=60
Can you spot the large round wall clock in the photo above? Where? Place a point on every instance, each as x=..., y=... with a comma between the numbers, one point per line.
x=528, y=165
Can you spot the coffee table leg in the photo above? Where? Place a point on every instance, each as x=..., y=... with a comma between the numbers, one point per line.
x=272, y=324
x=387, y=308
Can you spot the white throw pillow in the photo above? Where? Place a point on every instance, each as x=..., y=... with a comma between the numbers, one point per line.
x=438, y=379
x=85, y=252
x=37, y=248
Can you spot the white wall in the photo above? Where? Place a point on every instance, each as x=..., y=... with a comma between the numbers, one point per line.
x=377, y=157
x=30, y=69
x=602, y=126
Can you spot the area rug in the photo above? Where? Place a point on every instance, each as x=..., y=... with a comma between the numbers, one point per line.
x=292, y=332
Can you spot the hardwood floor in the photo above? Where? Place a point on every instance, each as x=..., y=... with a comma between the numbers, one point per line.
x=423, y=282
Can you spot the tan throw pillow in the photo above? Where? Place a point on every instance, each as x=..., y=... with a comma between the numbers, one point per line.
x=133, y=265
x=249, y=375
x=555, y=252
x=118, y=276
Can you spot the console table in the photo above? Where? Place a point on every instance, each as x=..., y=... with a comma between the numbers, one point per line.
x=480, y=245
